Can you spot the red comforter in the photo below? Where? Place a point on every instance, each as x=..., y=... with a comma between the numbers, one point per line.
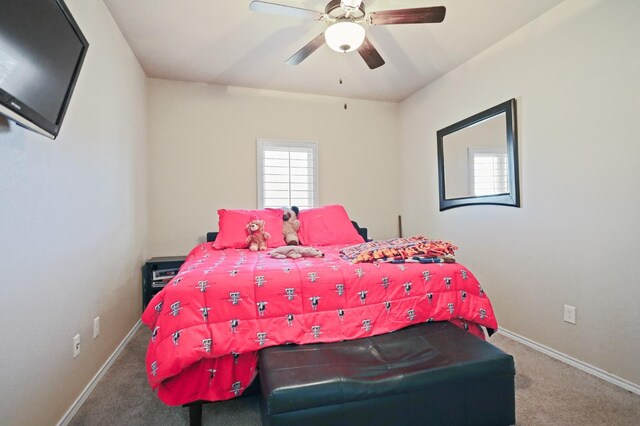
x=224, y=305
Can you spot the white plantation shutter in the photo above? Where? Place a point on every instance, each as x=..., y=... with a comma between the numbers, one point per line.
x=287, y=174
x=489, y=171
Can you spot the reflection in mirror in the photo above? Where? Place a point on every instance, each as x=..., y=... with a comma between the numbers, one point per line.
x=477, y=159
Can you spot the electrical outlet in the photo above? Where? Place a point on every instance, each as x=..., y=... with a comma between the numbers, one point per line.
x=570, y=314
x=76, y=345
x=96, y=327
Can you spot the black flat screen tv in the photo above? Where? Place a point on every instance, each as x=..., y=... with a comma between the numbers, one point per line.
x=41, y=53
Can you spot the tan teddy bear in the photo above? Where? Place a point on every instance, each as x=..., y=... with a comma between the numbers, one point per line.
x=290, y=225
x=295, y=252
x=257, y=239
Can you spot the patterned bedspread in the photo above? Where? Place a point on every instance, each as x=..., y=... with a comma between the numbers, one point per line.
x=224, y=305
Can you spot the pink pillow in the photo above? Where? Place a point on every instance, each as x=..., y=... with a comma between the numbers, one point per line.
x=232, y=227
x=322, y=226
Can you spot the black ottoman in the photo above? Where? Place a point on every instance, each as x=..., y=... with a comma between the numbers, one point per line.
x=434, y=373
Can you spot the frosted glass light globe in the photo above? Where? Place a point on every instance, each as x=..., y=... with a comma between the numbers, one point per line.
x=344, y=36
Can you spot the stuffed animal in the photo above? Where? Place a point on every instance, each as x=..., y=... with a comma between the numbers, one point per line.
x=295, y=252
x=290, y=225
x=257, y=239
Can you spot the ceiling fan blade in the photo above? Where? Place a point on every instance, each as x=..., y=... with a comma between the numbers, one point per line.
x=420, y=15
x=370, y=54
x=307, y=50
x=281, y=9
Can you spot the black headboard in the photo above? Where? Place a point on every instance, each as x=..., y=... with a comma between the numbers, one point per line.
x=211, y=236
x=362, y=231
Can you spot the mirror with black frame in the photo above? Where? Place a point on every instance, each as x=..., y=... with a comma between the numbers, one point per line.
x=478, y=159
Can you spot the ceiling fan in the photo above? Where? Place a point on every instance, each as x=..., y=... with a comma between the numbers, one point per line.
x=346, y=31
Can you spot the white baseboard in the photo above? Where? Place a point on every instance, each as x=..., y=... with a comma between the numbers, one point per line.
x=588, y=368
x=64, y=421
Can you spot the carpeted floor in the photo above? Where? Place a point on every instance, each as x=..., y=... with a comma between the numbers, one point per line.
x=548, y=392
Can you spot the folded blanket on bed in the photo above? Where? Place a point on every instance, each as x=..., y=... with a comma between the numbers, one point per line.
x=398, y=248
x=421, y=259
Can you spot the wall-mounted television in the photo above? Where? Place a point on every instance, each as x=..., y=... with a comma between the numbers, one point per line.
x=41, y=53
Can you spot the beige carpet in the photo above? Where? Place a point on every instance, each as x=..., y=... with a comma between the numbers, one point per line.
x=548, y=392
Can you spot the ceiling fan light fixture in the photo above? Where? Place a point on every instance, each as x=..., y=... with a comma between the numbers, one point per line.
x=344, y=36
x=351, y=3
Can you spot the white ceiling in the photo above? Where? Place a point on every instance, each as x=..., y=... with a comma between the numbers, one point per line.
x=223, y=42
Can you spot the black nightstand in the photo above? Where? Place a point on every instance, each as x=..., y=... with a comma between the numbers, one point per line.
x=157, y=273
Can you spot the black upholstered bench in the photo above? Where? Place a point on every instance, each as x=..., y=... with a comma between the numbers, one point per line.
x=434, y=373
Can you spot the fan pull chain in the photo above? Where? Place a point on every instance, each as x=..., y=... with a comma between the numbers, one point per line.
x=342, y=66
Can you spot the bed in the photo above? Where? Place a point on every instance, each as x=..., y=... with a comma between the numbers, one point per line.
x=226, y=303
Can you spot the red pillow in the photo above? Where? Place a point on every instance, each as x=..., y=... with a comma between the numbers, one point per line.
x=232, y=227
x=322, y=226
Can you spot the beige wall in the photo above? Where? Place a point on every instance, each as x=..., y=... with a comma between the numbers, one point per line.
x=72, y=223
x=202, y=155
x=575, y=72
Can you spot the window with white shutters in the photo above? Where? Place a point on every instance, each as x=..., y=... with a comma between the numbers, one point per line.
x=287, y=174
x=488, y=172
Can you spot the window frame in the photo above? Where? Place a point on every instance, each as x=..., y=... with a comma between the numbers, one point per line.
x=263, y=144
